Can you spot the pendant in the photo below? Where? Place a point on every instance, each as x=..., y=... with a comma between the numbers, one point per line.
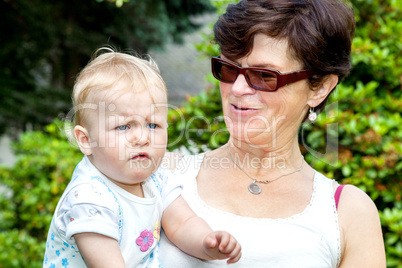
x=254, y=188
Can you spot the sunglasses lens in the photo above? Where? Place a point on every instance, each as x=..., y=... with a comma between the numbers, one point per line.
x=262, y=80
x=225, y=72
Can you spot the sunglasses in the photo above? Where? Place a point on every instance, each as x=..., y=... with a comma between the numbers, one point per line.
x=257, y=78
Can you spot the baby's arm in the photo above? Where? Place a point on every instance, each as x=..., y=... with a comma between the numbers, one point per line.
x=99, y=250
x=194, y=236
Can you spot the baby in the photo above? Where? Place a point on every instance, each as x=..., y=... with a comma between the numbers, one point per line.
x=111, y=212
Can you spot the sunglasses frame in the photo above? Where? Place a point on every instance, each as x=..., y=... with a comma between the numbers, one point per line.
x=282, y=79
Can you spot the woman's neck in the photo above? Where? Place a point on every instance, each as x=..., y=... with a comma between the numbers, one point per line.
x=257, y=159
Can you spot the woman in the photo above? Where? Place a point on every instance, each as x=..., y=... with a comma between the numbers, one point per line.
x=279, y=62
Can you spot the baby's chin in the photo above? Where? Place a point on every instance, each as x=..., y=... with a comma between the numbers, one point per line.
x=142, y=170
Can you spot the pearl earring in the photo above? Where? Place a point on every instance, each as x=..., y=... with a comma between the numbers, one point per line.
x=313, y=115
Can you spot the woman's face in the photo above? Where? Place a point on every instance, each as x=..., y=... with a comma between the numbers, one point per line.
x=268, y=119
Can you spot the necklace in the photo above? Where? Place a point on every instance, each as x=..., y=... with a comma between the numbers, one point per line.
x=254, y=188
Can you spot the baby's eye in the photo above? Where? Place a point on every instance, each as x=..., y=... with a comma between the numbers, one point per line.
x=152, y=125
x=123, y=127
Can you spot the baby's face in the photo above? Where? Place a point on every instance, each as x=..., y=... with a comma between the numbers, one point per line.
x=129, y=135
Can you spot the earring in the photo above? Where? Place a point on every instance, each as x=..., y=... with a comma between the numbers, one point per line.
x=313, y=115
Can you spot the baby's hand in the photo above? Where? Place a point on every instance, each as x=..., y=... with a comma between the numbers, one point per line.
x=222, y=245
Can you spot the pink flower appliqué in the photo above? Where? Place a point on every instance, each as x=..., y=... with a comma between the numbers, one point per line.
x=145, y=240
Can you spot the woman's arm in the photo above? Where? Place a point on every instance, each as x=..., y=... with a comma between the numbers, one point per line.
x=194, y=236
x=99, y=251
x=363, y=244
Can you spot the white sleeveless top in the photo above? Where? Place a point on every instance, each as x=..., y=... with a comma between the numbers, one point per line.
x=308, y=239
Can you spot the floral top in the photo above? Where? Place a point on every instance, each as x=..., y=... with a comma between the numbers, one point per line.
x=92, y=203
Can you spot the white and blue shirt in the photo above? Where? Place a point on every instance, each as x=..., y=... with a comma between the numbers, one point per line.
x=92, y=203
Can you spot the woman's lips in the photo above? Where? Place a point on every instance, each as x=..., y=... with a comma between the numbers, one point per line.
x=242, y=110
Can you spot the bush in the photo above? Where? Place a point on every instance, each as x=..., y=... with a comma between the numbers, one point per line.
x=44, y=167
x=19, y=249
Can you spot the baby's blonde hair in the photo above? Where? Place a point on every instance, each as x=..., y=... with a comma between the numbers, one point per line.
x=109, y=69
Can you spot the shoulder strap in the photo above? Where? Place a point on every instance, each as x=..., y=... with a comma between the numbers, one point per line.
x=338, y=194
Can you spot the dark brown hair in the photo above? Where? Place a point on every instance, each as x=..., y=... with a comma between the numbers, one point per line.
x=319, y=32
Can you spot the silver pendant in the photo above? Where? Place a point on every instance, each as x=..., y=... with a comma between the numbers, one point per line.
x=254, y=188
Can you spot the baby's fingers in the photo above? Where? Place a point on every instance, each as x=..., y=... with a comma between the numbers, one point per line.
x=227, y=243
x=235, y=255
x=229, y=247
x=210, y=242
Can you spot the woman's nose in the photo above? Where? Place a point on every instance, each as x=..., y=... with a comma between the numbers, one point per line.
x=240, y=86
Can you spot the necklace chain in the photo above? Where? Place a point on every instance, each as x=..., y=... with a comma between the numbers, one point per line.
x=266, y=181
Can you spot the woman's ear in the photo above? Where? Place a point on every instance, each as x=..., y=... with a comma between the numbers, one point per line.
x=319, y=95
x=82, y=136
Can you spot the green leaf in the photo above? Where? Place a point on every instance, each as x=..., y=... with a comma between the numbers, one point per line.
x=346, y=170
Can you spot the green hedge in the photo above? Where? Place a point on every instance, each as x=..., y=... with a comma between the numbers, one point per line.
x=44, y=167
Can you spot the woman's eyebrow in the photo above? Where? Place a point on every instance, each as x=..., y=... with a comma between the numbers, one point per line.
x=258, y=65
x=265, y=66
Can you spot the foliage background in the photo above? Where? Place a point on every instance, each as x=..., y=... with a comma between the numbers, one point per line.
x=365, y=120
x=45, y=43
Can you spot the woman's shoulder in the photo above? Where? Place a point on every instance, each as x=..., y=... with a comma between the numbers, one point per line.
x=359, y=224
x=351, y=197
x=353, y=200
x=360, y=228
x=356, y=210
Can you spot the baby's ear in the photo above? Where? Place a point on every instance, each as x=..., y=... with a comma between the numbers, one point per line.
x=82, y=136
x=320, y=93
